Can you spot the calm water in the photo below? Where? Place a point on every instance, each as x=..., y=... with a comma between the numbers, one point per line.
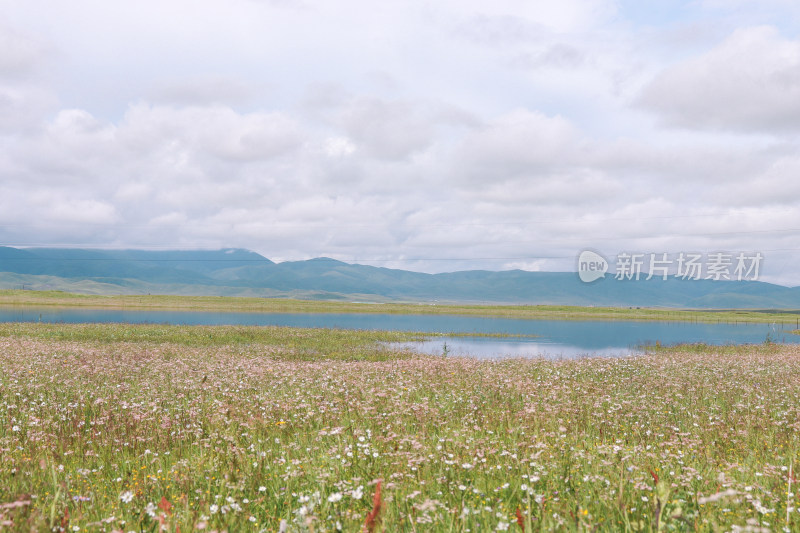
x=555, y=338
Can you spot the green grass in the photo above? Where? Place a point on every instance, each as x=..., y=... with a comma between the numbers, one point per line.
x=119, y=427
x=278, y=305
x=302, y=343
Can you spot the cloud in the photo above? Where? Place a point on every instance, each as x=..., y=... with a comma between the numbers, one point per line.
x=23, y=106
x=339, y=147
x=776, y=184
x=396, y=129
x=521, y=143
x=749, y=83
x=500, y=30
x=554, y=56
x=438, y=136
x=386, y=129
x=23, y=100
x=20, y=55
x=217, y=131
x=522, y=18
x=215, y=90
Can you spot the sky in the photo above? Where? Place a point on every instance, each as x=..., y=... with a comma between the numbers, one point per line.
x=424, y=135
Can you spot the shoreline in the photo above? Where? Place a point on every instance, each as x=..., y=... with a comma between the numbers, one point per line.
x=50, y=299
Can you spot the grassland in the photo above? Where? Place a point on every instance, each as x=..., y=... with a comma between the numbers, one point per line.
x=279, y=305
x=147, y=428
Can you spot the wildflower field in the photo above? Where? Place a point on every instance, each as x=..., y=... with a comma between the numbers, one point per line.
x=149, y=428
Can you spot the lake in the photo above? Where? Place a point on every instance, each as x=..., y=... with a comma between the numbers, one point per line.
x=549, y=338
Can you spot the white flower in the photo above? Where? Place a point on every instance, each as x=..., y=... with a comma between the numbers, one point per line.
x=16, y=428
x=645, y=499
x=252, y=518
x=150, y=509
x=335, y=497
x=462, y=487
x=358, y=493
x=126, y=496
x=262, y=488
x=214, y=508
x=466, y=466
x=502, y=526
x=523, y=487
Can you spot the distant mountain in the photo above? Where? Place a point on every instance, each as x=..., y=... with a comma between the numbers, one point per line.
x=151, y=266
x=236, y=272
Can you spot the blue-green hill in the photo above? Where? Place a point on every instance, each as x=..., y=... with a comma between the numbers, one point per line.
x=237, y=272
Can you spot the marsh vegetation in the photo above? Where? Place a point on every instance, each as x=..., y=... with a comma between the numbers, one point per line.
x=129, y=428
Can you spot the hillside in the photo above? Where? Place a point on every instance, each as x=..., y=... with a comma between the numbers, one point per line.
x=236, y=272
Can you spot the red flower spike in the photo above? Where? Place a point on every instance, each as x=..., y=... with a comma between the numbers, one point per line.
x=373, y=517
x=165, y=506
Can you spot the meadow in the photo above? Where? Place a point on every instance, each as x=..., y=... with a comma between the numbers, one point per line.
x=30, y=299
x=175, y=428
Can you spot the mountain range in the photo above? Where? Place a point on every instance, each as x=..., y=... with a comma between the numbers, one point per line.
x=238, y=272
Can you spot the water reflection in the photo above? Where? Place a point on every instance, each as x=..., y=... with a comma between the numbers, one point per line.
x=550, y=338
x=507, y=348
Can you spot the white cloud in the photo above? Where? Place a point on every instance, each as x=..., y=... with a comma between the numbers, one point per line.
x=339, y=147
x=777, y=184
x=521, y=17
x=390, y=130
x=23, y=106
x=437, y=136
x=215, y=130
x=749, y=83
x=521, y=143
x=20, y=55
x=214, y=90
x=23, y=98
